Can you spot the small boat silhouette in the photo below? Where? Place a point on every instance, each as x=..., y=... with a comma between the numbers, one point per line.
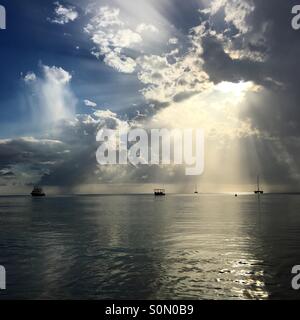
x=159, y=192
x=258, y=191
x=38, y=192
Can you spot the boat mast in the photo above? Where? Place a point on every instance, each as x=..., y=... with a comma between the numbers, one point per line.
x=258, y=183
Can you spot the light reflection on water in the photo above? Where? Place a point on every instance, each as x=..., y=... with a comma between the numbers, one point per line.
x=139, y=247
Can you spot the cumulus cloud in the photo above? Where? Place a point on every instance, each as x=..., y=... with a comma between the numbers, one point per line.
x=236, y=12
x=50, y=96
x=111, y=36
x=170, y=77
x=240, y=38
x=56, y=96
x=57, y=75
x=64, y=14
x=90, y=103
x=29, y=77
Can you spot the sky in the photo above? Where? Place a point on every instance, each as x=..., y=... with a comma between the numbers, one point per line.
x=71, y=68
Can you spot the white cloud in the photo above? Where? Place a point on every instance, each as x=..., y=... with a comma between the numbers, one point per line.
x=52, y=99
x=236, y=12
x=119, y=62
x=109, y=40
x=111, y=36
x=64, y=14
x=167, y=76
x=172, y=81
x=57, y=75
x=30, y=77
x=59, y=101
x=105, y=114
x=143, y=27
x=173, y=41
x=106, y=17
x=90, y=103
x=126, y=38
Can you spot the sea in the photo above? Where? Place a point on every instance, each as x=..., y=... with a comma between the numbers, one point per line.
x=198, y=247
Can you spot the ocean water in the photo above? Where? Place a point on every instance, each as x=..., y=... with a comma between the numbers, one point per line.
x=142, y=247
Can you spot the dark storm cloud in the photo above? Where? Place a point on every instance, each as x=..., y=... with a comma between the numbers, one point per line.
x=78, y=168
x=29, y=151
x=56, y=163
x=7, y=174
x=80, y=162
x=270, y=34
x=30, y=156
x=221, y=67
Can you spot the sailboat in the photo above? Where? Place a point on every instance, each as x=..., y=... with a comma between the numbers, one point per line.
x=196, y=190
x=38, y=192
x=258, y=191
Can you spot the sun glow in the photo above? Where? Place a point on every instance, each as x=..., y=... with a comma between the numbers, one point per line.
x=215, y=110
x=238, y=89
x=218, y=112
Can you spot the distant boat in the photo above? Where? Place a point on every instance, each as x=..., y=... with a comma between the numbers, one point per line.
x=159, y=192
x=38, y=192
x=258, y=191
x=196, y=190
